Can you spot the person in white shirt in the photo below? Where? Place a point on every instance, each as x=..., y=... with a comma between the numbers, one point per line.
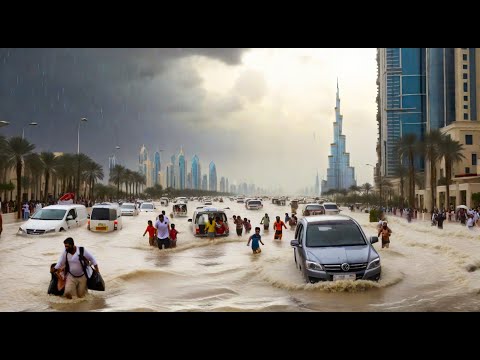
x=166, y=218
x=163, y=228
x=76, y=280
x=470, y=222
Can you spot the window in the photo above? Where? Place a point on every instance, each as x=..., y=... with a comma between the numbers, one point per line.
x=465, y=76
x=474, y=159
x=465, y=57
x=465, y=98
x=467, y=170
x=468, y=139
x=465, y=107
x=465, y=67
x=465, y=116
x=465, y=86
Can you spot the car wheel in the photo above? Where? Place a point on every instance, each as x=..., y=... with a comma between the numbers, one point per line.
x=61, y=229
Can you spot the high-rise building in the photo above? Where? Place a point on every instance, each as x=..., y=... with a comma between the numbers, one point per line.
x=222, y=184
x=402, y=102
x=112, y=161
x=156, y=167
x=174, y=172
x=340, y=175
x=204, y=182
x=182, y=170
x=227, y=188
x=212, y=175
x=145, y=166
x=316, y=191
x=196, y=178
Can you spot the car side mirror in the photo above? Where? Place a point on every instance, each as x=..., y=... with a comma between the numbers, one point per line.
x=69, y=217
x=373, y=239
x=294, y=243
x=189, y=220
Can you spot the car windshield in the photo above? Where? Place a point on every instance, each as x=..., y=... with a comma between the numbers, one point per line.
x=49, y=214
x=330, y=206
x=254, y=202
x=147, y=206
x=314, y=207
x=128, y=206
x=334, y=233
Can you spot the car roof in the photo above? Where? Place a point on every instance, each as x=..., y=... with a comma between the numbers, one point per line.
x=316, y=204
x=128, y=204
x=105, y=205
x=64, y=207
x=329, y=203
x=209, y=209
x=326, y=218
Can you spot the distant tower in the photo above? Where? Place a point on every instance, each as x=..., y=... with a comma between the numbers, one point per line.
x=316, y=192
x=182, y=170
x=156, y=168
x=340, y=175
x=212, y=175
x=196, y=177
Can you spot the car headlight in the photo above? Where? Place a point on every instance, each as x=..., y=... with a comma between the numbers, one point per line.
x=374, y=264
x=311, y=265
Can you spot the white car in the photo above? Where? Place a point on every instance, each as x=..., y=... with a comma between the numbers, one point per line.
x=129, y=209
x=147, y=207
x=55, y=218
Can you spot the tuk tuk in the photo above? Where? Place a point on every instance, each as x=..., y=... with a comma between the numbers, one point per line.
x=179, y=210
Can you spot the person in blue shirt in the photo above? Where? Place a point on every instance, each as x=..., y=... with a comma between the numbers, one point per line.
x=255, y=239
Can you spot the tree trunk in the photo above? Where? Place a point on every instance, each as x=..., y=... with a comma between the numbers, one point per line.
x=19, y=189
x=433, y=182
x=47, y=179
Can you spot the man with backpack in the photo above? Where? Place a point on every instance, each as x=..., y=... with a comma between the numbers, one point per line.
x=75, y=277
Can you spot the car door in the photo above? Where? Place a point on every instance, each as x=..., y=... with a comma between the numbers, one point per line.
x=72, y=219
x=297, y=249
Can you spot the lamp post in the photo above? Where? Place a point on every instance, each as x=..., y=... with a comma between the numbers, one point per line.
x=78, y=134
x=3, y=123
x=24, y=126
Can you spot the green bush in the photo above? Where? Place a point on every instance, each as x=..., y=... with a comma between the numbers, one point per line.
x=374, y=215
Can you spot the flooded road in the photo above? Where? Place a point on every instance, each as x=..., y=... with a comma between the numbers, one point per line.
x=425, y=269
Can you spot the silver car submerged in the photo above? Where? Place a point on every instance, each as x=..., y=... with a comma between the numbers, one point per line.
x=334, y=247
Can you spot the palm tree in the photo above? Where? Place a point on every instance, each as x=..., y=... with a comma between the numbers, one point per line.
x=366, y=188
x=34, y=166
x=64, y=169
x=81, y=160
x=15, y=150
x=116, y=176
x=452, y=152
x=49, y=164
x=431, y=145
x=93, y=172
x=354, y=189
x=407, y=146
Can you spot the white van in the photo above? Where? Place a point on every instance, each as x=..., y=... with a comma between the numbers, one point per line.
x=105, y=217
x=55, y=218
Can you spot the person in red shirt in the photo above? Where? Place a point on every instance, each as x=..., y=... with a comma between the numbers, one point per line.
x=173, y=236
x=151, y=233
x=277, y=226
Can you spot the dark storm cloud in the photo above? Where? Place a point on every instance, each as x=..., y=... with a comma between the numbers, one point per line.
x=130, y=96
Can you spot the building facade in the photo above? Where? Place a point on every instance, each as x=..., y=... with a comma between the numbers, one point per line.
x=212, y=176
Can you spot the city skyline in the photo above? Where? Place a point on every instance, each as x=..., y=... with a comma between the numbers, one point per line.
x=233, y=104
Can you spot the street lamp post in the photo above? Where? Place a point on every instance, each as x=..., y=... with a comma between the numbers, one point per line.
x=24, y=126
x=78, y=134
x=3, y=123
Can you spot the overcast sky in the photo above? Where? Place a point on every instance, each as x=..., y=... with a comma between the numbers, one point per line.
x=264, y=116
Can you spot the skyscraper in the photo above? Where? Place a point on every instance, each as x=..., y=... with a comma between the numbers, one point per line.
x=174, y=172
x=316, y=191
x=156, y=168
x=340, y=175
x=402, y=101
x=222, y=184
x=182, y=170
x=212, y=175
x=227, y=188
x=145, y=166
x=112, y=161
x=196, y=179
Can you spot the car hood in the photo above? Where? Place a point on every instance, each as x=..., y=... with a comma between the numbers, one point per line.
x=41, y=224
x=340, y=254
